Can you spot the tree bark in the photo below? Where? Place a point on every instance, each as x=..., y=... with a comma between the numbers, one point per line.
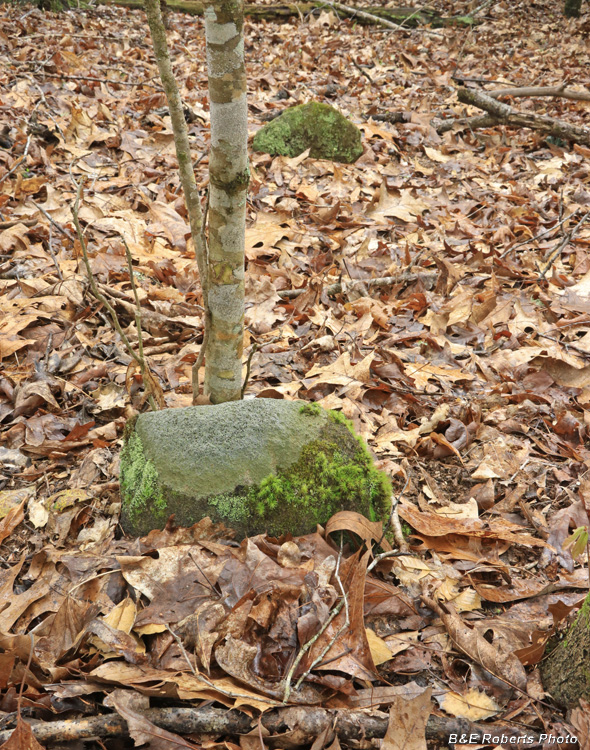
x=228, y=186
x=507, y=115
x=572, y=8
x=566, y=670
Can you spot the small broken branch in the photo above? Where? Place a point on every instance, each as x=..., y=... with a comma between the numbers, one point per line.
x=464, y=123
x=427, y=278
x=556, y=252
x=368, y=17
x=533, y=91
x=507, y=115
x=14, y=222
x=148, y=379
x=18, y=162
x=248, y=366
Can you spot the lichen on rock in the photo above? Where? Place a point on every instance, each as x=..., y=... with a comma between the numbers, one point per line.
x=315, y=126
x=263, y=465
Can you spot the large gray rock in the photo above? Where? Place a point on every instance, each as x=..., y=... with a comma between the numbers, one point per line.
x=263, y=465
x=319, y=127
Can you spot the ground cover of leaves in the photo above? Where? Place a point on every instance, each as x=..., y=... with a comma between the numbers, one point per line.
x=467, y=369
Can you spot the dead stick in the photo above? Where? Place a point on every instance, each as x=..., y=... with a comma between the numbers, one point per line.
x=366, y=16
x=51, y=220
x=14, y=222
x=509, y=116
x=464, y=123
x=310, y=722
x=557, y=91
x=427, y=277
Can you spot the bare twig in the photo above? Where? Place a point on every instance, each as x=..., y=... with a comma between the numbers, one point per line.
x=147, y=376
x=464, y=123
x=563, y=244
x=14, y=222
x=340, y=632
x=51, y=220
x=306, y=646
x=62, y=77
x=358, y=726
x=248, y=364
x=393, y=522
x=538, y=236
x=17, y=164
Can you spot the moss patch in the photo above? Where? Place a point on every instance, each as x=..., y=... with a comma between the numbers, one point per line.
x=140, y=485
x=319, y=127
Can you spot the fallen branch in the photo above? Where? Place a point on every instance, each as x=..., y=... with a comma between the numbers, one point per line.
x=14, y=222
x=559, y=91
x=310, y=723
x=428, y=278
x=284, y=12
x=464, y=123
x=507, y=115
x=369, y=17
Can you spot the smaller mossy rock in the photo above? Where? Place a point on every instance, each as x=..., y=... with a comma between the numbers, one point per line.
x=263, y=465
x=319, y=127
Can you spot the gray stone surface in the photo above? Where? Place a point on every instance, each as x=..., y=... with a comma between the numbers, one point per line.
x=263, y=465
x=208, y=450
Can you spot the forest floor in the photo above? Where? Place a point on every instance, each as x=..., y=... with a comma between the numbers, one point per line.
x=467, y=370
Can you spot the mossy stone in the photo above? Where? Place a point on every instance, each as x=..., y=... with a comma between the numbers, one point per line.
x=262, y=465
x=319, y=127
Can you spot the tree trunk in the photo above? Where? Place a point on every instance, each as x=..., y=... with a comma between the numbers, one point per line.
x=228, y=186
x=566, y=671
x=572, y=8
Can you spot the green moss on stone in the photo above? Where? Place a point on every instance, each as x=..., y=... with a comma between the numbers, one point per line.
x=140, y=486
x=304, y=466
x=319, y=127
x=312, y=409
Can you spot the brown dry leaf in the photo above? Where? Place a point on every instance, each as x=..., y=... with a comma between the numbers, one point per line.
x=406, y=729
x=472, y=705
x=14, y=516
x=501, y=663
x=431, y=524
x=368, y=531
x=22, y=738
x=143, y=732
x=380, y=651
x=580, y=720
x=262, y=237
x=342, y=372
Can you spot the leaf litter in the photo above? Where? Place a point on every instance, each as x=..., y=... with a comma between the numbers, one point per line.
x=418, y=290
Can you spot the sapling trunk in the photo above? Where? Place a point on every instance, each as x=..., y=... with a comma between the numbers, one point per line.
x=228, y=185
x=221, y=261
